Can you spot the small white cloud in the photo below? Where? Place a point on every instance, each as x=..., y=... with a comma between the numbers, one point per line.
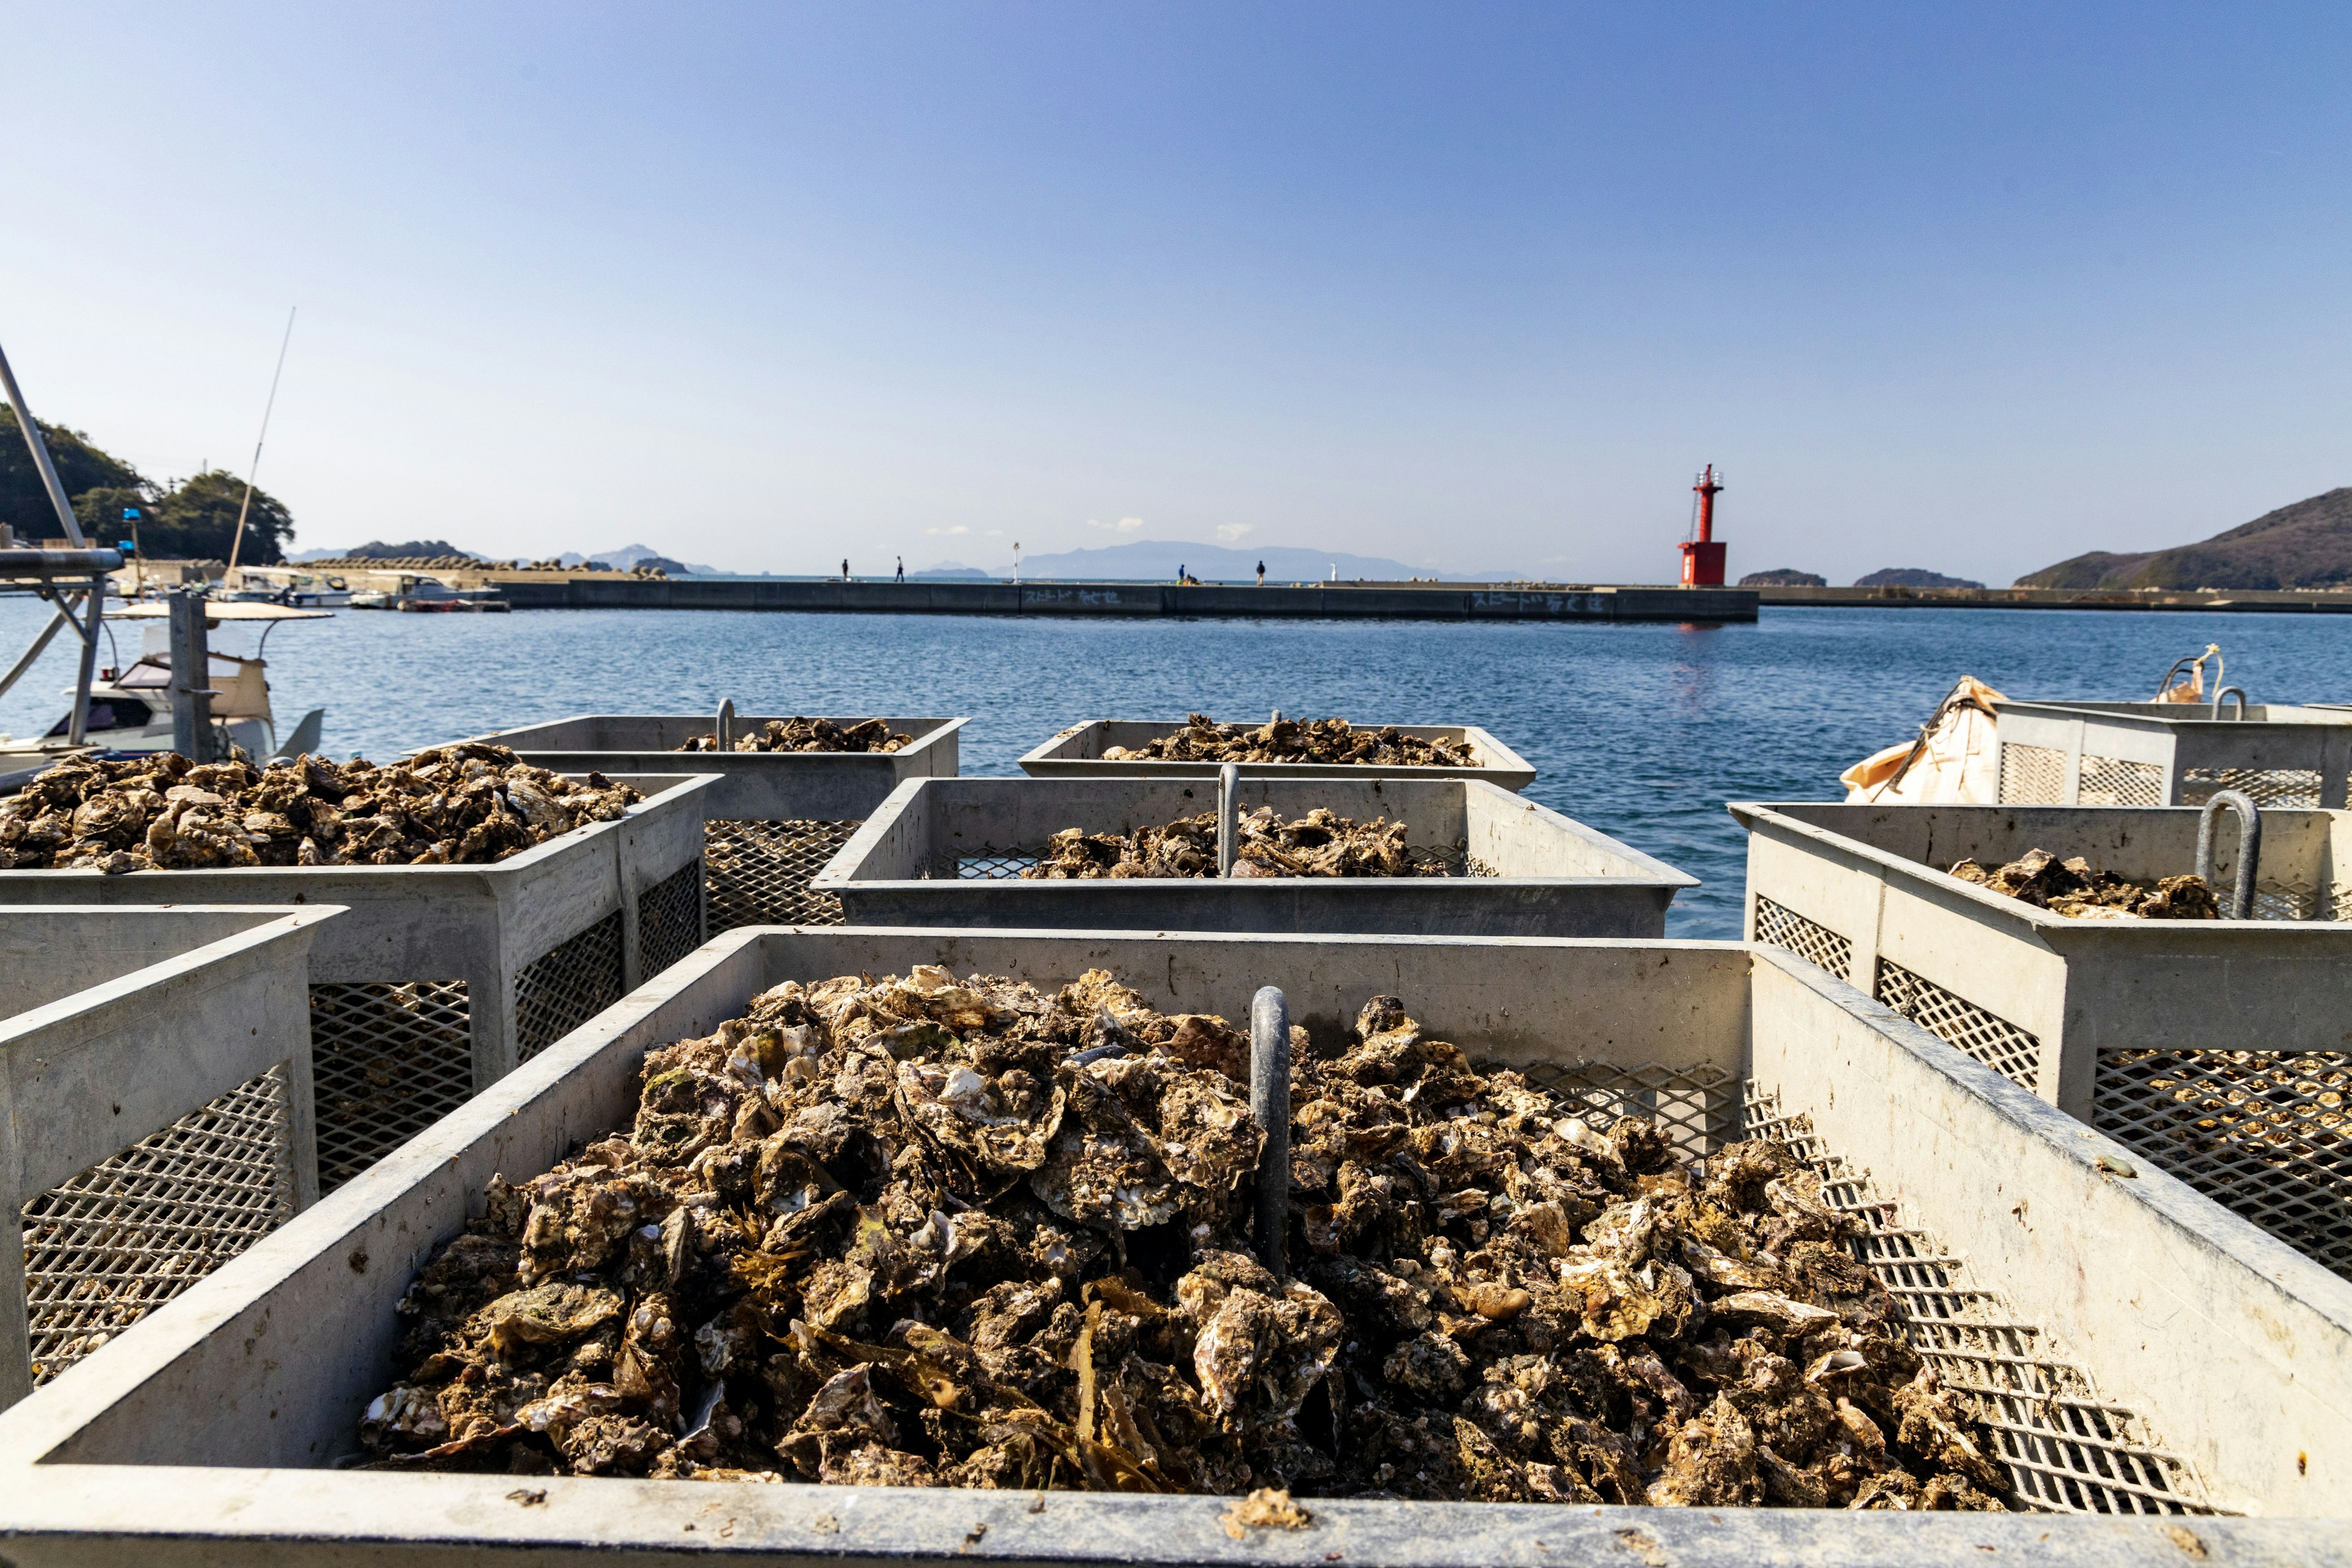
x=1229, y=532
x=959, y=528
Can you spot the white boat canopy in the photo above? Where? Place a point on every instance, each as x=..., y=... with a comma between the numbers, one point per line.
x=218, y=610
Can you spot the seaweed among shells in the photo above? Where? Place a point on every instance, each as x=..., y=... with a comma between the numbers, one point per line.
x=462, y=804
x=1281, y=740
x=934, y=1231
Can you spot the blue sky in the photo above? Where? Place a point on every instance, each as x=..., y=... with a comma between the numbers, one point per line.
x=1965, y=288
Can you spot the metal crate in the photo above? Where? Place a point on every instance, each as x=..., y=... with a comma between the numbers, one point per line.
x=440, y=978
x=2163, y=754
x=951, y=852
x=155, y=1086
x=1077, y=752
x=2133, y=1403
x=2214, y=1048
x=773, y=819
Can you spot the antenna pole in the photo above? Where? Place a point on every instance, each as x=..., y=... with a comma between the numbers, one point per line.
x=254, y=472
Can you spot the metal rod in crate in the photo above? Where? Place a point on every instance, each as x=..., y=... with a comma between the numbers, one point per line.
x=1229, y=781
x=2250, y=847
x=723, y=732
x=1270, y=1104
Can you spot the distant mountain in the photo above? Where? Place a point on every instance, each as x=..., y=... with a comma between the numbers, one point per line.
x=1912, y=577
x=1784, y=578
x=2306, y=545
x=951, y=571
x=628, y=555
x=377, y=550
x=1152, y=561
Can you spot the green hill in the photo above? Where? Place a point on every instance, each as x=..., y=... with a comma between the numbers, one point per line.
x=2306, y=545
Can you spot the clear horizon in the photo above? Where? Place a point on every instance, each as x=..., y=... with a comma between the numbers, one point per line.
x=1972, y=291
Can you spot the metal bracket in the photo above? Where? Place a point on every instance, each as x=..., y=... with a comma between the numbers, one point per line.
x=2250, y=847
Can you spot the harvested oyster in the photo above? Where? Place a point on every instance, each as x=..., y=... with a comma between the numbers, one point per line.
x=1281, y=740
x=809, y=735
x=2071, y=887
x=1319, y=844
x=463, y=805
x=932, y=1230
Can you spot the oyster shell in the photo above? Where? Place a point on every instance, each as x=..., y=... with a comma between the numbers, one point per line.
x=1280, y=740
x=2073, y=889
x=809, y=735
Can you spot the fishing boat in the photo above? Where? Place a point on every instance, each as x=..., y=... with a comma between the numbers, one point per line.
x=293, y=585
x=130, y=706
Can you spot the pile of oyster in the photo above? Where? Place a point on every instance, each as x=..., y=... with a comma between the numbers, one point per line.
x=929, y=1231
x=2071, y=889
x=1203, y=739
x=463, y=805
x=809, y=735
x=1319, y=844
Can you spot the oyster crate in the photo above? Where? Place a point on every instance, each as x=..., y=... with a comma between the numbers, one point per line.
x=773, y=819
x=2164, y=753
x=2134, y=1350
x=1077, y=752
x=951, y=852
x=439, y=979
x=2214, y=1048
x=155, y=1090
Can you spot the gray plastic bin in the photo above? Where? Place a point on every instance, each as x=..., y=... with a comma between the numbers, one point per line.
x=2199, y=1366
x=155, y=1086
x=951, y=851
x=2163, y=754
x=773, y=819
x=2216, y=1049
x=1077, y=752
x=440, y=978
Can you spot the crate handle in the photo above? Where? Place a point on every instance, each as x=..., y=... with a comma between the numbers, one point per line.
x=1229, y=788
x=2224, y=692
x=2250, y=847
x=724, y=731
x=1270, y=1104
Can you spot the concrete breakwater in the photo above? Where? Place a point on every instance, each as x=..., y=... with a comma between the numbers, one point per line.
x=1432, y=602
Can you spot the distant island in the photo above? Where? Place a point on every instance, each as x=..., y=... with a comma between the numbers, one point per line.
x=2306, y=545
x=1912, y=577
x=624, y=559
x=1784, y=578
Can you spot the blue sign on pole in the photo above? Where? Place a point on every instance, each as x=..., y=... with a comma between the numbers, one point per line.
x=127, y=547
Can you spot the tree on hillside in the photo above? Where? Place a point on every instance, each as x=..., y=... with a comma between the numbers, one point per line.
x=81, y=467
x=198, y=520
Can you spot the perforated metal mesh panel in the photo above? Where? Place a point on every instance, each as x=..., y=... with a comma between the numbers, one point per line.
x=106, y=1248
x=1697, y=1108
x=386, y=1062
x=1792, y=932
x=2110, y=781
x=2032, y=775
x=570, y=983
x=1996, y=1041
x=2264, y=786
x=2266, y=1134
x=669, y=919
x=758, y=872
x=2067, y=1450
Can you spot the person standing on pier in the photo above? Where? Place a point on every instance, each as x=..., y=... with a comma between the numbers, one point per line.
x=1181, y=575
x=1260, y=574
x=845, y=568
x=902, y=568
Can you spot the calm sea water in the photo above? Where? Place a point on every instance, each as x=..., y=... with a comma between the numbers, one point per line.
x=1641, y=732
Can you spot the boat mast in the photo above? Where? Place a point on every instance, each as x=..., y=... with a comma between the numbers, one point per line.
x=253, y=470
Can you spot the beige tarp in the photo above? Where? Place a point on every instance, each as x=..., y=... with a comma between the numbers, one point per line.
x=1956, y=761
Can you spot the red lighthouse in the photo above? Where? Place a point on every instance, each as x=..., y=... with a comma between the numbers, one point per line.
x=1703, y=555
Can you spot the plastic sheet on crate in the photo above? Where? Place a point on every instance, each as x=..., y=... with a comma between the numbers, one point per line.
x=2032, y=775
x=2067, y=1450
x=669, y=919
x=108, y=1246
x=1792, y=932
x=567, y=986
x=386, y=1062
x=1996, y=1041
x=2110, y=781
x=2265, y=1134
x=758, y=872
x=2294, y=787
